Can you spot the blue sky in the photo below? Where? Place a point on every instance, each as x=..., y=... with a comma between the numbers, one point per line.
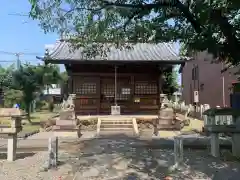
x=17, y=36
x=21, y=34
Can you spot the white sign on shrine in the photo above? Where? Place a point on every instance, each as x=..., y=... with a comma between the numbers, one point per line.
x=196, y=96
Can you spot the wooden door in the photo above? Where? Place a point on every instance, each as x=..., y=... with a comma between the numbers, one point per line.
x=107, y=95
x=124, y=93
x=146, y=95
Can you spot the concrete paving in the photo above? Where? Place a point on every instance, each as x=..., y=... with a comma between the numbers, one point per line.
x=39, y=141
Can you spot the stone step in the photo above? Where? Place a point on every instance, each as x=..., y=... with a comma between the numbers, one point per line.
x=116, y=126
x=116, y=129
x=107, y=133
x=113, y=118
x=117, y=121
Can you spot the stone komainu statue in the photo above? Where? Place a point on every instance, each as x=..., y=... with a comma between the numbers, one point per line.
x=68, y=103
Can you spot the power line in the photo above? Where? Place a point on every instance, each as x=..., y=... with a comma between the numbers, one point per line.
x=18, y=54
x=33, y=60
x=18, y=14
x=6, y=61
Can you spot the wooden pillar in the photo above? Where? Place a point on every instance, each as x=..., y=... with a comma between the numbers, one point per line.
x=71, y=80
x=133, y=109
x=69, y=87
x=99, y=95
x=160, y=85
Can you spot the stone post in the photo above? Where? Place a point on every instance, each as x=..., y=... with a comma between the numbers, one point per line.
x=12, y=139
x=53, y=152
x=236, y=144
x=178, y=151
x=12, y=147
x=214, y=140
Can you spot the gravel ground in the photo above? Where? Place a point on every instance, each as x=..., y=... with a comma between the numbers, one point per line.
x=31, y=167
x=118, y=157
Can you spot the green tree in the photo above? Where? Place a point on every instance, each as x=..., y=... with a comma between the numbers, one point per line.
x=31, y=81
x=51, y=75
x=64, y=77
x=6, y=76
x=200, y=25
x=170, y=84
x=12, y=96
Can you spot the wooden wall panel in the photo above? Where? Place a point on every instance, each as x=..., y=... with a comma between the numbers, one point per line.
x=95, y=91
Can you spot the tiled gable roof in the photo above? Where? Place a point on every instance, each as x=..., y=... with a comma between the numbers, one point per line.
x=138, y=52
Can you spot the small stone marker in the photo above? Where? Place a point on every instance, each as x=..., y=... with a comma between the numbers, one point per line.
x=53, y=152
x=178, y=151
x=214, y=141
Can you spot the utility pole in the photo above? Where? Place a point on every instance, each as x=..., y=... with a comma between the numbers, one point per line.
x=18, y=54
x=18, y=60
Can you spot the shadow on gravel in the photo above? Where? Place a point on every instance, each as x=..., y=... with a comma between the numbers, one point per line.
x=118, y=157
x=19, y=155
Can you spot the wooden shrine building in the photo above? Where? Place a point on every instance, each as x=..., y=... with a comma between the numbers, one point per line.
x=129, y=78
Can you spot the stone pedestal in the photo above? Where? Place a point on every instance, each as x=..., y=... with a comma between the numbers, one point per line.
x=68, y=114
x=67, y=119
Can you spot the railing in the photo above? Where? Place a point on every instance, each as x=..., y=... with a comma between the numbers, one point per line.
x=195, y=112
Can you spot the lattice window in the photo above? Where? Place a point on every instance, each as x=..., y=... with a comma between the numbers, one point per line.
x=86, y=88
x=124, y=94
x=145, y=88
x=126, y=91
x=108, y=90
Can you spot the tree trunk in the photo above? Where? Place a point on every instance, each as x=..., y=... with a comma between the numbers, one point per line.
x=28, y=111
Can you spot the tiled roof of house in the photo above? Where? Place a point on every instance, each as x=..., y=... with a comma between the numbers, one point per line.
x=138, y=52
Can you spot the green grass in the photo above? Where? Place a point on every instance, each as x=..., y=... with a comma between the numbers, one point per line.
x=36, y=119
